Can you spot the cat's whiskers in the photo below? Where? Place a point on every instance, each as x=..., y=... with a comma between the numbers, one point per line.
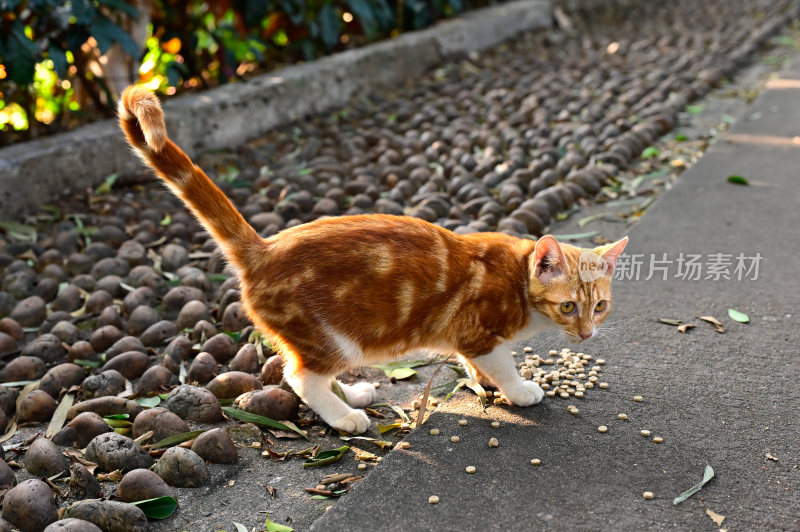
x=614, y=333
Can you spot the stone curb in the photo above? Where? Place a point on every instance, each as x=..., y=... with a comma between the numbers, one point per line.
x=38, y=172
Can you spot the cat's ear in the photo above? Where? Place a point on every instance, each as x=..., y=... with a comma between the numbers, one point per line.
x=611, y=253
x=547, y=260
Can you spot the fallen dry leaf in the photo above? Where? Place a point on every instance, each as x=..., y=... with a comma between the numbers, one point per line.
x=715, y=322
x=77, y=456
x=271, y=490
x=768, y=455
x=685, y=327
x=718, y=519
x=669, y=321
x=363, y=455
x=334, y=478
x=114, y=476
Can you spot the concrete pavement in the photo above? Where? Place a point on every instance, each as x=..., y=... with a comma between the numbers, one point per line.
x=723, y=399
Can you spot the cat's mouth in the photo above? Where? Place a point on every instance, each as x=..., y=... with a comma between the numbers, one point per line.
x=578, y=339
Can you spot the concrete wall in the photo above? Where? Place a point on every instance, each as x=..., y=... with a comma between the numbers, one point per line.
x=39, y=172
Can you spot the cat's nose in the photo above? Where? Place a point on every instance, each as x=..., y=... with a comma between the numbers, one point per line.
x=585, y=335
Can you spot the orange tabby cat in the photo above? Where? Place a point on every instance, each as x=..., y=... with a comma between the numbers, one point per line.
x=344, y=292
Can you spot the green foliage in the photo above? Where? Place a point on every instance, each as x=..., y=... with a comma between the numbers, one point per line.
x=41, y=47
x=48, y=48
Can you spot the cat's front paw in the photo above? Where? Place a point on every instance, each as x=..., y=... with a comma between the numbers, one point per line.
x=360, y=394
x=528, y=394
x=355, y=422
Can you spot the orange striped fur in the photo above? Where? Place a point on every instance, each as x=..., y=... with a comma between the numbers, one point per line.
x=353, y=290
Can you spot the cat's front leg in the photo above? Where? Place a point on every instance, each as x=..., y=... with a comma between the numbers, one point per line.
x=499, y=366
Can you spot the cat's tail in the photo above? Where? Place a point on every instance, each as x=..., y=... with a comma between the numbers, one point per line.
x=142, y=120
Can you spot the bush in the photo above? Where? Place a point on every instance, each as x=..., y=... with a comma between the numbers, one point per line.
x=63, y=62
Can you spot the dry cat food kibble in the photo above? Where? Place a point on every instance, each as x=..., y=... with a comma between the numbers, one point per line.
x=602, y=428
x=648, y=495
x=658, y=439
x=495, y=424
x=470, y=469
x=493, y=442
x=638, y=398
x=572, y=376
x=362, y=467
x=536, y=461
x=454, y=439
x=433, y=499
x=462, y=422
x=603, y=385
x=645, y=433
x=434, y=432
x=622, y=416
x=402, y=445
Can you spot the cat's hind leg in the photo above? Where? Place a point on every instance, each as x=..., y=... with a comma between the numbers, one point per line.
x=499, y=367
x=315, y=390
x=476, y=375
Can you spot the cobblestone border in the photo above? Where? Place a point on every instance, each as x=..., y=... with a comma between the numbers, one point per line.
x=40, y=171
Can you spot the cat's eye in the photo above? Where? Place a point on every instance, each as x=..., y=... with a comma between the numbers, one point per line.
x=567, y=307
x=600, y=306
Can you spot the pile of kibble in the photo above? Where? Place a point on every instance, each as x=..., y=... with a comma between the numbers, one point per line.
x=563, y=373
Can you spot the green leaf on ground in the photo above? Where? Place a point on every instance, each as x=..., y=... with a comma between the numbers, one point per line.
x=654, y=175
x=741, y=317
x=117, y=416
x=459, y=384
x=158, y=508
x=149, y=402
x=117, y=423
x=575, y=236
x=708, y=474
x=261, y=420
x=737, y=180
x=276, y=527
x=681, y=137
x=166, y=220
x=650, y=152
x=336, y=388
x=18, y=231
x=176, y=439
x=694, y=109
x=87, y=363
x=327, y=457
x=17, y=384
x=235, y=335
x=592, y=218
x=401, y=369
x=240, y=527
x=106, y=186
